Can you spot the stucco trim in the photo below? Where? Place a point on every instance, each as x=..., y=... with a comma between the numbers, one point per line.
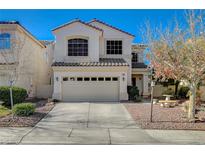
x=110, y=26
x=79, y=21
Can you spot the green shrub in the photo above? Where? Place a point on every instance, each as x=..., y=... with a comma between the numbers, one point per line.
x=133, y=92
x=169, y=91
x=19, y=95
x=23, y=109
x=183, y=91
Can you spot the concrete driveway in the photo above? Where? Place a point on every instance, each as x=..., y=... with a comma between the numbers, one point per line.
x=94, y=123
x=81, y=123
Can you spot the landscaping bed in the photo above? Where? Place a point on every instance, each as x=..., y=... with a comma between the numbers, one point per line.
x=42, y=108
x=164, y=118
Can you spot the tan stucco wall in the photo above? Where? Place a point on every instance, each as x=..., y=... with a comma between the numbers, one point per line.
x=76, y=30
x=60, y=72
x=96, y=45
x=112, y=34
x=33, y=68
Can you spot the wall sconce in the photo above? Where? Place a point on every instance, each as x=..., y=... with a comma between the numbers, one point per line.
x=123, y=77
x=57, y=78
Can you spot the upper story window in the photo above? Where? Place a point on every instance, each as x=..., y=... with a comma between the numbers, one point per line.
x=134, y=57
x=114, y=47
x=77, y=47
x=5, y=41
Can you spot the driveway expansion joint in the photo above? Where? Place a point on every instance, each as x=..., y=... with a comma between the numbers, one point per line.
x=95, y=123
x=88, y=115
x=26, y=134
x=70, y=132
x=109, y=136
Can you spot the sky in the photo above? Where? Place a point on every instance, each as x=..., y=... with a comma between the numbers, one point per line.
x=41, y=22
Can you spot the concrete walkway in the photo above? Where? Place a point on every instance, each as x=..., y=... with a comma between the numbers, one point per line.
x=94, y=123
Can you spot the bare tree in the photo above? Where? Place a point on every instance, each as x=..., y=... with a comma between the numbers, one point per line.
x=178, y=52
x=11, y=56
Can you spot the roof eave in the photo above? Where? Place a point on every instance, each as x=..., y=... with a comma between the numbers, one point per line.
x=69, y=23
x=95, y=20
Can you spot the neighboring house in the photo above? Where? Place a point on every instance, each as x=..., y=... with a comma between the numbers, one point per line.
x=34, y=71
x=93, y=62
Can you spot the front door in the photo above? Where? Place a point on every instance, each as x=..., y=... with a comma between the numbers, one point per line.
x=133, y=81
x=139, y=84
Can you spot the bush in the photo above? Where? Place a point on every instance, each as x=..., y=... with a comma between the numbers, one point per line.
x=169, y=91
x=19, y=95
x=133, y=92
x=23, y=109
x=183, y=92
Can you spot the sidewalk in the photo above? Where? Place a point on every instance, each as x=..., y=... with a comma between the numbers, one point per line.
x=94, y=123
x=100, y=136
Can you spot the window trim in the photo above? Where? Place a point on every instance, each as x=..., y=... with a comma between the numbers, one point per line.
x=108, y=78
x=113, y=39
x=86, y=79
x=7, y=40
x=101, y=79
x=77, y=37
x=115, y=79
x=79, y=79
x=65, y=79
x=93, y=78
x=137, y=58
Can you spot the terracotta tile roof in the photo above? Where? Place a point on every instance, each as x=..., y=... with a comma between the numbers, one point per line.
x=96, y=20
x=9, y=22
x=102, y=62
x=7, y=63
x=77, y=20
x=139, y=65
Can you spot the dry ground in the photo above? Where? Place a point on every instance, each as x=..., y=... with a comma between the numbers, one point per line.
x=42, y=108
x=164, y=118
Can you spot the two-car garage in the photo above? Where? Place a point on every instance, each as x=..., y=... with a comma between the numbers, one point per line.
x=103, y=81
x=90, y=88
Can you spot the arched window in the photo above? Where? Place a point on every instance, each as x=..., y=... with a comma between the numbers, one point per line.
x=134, y=57
x=5, y=41
x=78, y=47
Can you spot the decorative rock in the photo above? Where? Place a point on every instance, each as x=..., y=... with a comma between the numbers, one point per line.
x=162, y=105
x=50, y=100
x=166, y=105
x=202, y=119
x=155, y=101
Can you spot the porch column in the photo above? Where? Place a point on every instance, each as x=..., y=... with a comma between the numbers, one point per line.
x=146, y=81
x=123, y=87
x=57, y=86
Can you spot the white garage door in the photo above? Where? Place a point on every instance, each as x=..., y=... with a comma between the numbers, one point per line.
x=90, y=89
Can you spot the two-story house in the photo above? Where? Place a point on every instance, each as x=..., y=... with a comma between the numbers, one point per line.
x=90, y=61
x=93, y=62
x=21, y=51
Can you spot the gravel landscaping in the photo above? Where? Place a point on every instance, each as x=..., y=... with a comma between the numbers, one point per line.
x=164, y=118
x=42, y=108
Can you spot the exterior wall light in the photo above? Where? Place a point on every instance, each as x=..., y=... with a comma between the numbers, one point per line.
x=57, y=78
x=123, y=77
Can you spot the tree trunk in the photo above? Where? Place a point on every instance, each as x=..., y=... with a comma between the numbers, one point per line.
x=11, y=97
x=176, y=88
x=192, y=102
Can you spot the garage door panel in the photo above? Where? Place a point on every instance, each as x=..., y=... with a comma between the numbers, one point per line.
x=90, y=91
